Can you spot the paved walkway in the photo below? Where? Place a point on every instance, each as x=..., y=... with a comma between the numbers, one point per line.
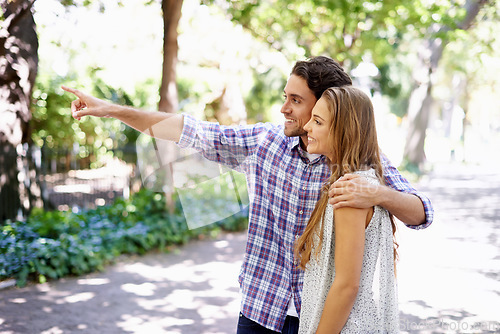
x=449, y=277
x=449, y=274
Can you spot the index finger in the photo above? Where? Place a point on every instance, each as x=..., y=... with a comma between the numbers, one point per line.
x=350, y=176
x=336, y=188
x=72, y=91
x=346, y=177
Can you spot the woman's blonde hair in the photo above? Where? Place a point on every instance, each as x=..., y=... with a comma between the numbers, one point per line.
x=355, y=147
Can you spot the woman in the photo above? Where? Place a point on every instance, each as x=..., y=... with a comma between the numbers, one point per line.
x=348, y=254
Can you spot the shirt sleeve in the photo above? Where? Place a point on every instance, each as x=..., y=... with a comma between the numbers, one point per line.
x=229, y=145
x=395, y=180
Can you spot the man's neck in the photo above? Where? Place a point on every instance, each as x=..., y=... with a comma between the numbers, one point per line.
x=303, y=142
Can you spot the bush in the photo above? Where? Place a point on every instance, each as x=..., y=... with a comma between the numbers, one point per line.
x=53, y=244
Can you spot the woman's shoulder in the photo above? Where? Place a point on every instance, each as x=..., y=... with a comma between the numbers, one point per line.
x=369, y=174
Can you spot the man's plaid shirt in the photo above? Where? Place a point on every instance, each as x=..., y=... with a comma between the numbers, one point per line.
x=283, y=187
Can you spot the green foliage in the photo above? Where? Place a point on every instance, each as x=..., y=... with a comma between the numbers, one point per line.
x=394, y=81
x=98, y=3
x=266, y=91
x=468, y=49
x=410, y=171
x=54, y=244
x=345, y=29
x=51, y=122
x=53, y=126
x=228, y=195
x=187, y=95
x=352, y=30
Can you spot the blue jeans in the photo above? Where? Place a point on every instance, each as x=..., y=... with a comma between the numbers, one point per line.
x=247, y=326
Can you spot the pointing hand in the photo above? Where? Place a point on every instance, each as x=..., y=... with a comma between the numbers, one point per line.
x=87, y=105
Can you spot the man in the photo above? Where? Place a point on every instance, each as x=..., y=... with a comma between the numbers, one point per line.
x=284, y=183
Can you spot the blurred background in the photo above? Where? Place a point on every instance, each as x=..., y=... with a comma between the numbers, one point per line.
x=431, y=68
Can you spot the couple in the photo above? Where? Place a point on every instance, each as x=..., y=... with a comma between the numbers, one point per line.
x=293, y=174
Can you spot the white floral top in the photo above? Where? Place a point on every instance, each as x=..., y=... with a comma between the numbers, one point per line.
x=376, y=307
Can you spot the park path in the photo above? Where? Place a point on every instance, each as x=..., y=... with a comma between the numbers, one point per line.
x=449, y=276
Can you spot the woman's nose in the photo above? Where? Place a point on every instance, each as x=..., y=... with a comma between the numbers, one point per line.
x=307, y=127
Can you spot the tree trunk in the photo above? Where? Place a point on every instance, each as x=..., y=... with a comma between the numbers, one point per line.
x=168, y=90
x=18, y=68
x=420, y=104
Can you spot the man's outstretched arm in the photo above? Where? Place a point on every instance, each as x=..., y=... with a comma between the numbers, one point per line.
x=160, y=125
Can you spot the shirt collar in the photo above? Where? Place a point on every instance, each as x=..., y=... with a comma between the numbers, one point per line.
x=294, y=143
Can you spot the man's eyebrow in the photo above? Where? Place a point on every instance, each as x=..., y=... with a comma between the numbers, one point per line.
x=294, y=95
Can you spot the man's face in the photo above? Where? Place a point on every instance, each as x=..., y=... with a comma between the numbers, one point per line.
x=299, y=102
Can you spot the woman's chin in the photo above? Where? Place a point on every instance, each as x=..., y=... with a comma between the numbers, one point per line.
x=311, y=150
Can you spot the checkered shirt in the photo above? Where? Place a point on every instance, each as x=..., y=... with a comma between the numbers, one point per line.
x=283, y=187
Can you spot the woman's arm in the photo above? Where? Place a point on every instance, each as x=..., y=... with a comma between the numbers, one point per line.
x=350, y=226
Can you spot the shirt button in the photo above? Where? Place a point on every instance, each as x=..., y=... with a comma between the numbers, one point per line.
x=304, y=188
x=301, y=212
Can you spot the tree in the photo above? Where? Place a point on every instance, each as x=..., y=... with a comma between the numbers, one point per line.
x=171, y=15
x=346, y=30
x=349, y=30
x=467, y=62
x=168, y=90
x=18, y=68
x=420, y=103
x=18, y=64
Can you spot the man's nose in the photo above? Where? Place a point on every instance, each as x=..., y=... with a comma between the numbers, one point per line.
x=285, y=109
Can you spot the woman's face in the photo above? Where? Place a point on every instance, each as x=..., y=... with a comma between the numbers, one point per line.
x=318, y=130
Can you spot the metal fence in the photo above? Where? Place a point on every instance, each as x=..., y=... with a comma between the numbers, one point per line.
x=69, y=180
x=64, y=178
